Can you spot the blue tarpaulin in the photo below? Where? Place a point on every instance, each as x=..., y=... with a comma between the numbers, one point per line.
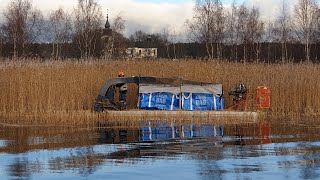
x=194, y=97
x=158, y=101
x=202, y=102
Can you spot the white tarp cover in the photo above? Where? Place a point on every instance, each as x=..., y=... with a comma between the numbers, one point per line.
x=144, y=89
x=215, y=89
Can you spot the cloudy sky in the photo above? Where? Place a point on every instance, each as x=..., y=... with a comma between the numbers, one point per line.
x=153, y=16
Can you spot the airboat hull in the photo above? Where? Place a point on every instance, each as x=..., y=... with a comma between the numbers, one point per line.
x=219, y=117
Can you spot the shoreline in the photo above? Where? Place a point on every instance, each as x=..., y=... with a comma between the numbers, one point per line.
x=89, y=119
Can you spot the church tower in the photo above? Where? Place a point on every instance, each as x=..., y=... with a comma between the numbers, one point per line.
x=107, y=40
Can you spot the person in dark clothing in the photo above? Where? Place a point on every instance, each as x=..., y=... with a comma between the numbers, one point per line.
x=123, y=88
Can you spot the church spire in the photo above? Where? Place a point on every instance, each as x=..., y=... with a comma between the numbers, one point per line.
x=107, y=25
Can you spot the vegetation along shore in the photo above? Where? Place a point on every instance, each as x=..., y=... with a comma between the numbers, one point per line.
x=63, y=92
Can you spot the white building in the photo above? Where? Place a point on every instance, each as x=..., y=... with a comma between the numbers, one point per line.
x=142, y=52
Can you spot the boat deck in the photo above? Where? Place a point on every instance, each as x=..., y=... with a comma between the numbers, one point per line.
x=200, y=116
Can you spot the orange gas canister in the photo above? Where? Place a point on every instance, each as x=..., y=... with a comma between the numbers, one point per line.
x=263, y=97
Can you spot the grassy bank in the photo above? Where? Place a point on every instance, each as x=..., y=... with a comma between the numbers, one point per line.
x=64, y=91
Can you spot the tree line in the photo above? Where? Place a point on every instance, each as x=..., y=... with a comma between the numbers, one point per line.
x=246, y=36
x=25, y=32
x=236, y=33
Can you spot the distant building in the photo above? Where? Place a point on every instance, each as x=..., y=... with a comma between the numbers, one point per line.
x=141, y=53
x=108, y=46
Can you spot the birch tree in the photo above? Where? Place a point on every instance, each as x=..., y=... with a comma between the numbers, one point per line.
x=207, y=26
x=256, y=30
x=243, y=16
x=87, y=21
x=118, y=42
x=283, y=29
x=61, y=30
x=232, y=35
x=22, y=25
x=306, y=15
x=269, y=38
x=218, y=28
x=251, y=30
x=2, y=40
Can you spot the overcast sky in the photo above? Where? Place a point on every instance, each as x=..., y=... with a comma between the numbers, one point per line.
x=153, y=16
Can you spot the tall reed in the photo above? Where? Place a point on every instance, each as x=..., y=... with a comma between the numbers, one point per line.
x=31, y=88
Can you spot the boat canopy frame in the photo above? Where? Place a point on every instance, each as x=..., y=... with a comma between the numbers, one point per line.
x=104, y=101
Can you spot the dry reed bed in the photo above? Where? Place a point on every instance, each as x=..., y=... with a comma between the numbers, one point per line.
x=63, y=92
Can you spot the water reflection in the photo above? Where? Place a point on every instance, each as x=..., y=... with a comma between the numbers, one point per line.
x=3, y=143
x=157, y=131
x=165, y=131
x=19, y=168
x=201, y=151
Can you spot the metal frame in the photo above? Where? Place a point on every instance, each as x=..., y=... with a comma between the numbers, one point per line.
x=102, y=102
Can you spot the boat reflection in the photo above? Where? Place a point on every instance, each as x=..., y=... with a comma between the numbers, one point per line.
x=167, y=131
x=158, y=131
x=23, y=139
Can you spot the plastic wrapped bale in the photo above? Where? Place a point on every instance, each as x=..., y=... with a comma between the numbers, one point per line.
x=202, y=98
x=158, y=97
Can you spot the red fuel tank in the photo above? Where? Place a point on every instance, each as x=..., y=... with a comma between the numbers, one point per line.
x=263, y=97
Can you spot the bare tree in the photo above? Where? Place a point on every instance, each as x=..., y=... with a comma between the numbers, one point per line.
x=269, y=37
x=232, y=35
x=88, y=17
x=142, y=39
x=256, y=30
x=250, y=29
x=317, y=34
x=199, y=26
x=283, y=30
x=60, y=27
x=165, y=37
x=243, y=16
x=207, y=26
x=118, y=28
x=306, y=13
x=173, y=39
x=318, y=24
x=218, y=29
x=22, y=25
x=118, y=24
x=138, y=36
x=2, y=40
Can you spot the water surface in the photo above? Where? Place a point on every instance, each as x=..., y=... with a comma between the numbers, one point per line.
x=162, y=150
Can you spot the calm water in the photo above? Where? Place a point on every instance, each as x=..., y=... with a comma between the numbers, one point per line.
x=162, y=151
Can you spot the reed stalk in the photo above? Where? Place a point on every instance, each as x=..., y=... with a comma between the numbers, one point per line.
x=51, y=92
